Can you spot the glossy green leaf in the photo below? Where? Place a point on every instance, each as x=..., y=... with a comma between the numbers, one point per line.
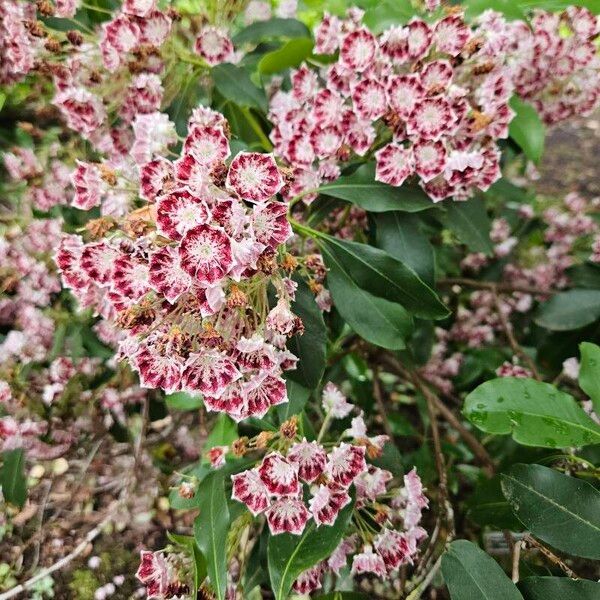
x=376, y=320
x=399, y=235
x=536, y=413
x=361, y=189
x=291, y=54
x=12, y=476
x=288, y=555
x=388, y=13
x=380, y=274
x=488, y=506
x=297, y=398
x=589, y=372
x=509, y=8
x=234, y=84
x=471, y=574
x=310, y=346
x=210, y=530
x=527, y=129
x=569, y=310
x=223, y=432
x=469, y=221
x=275, y=28
x=558, y=588
x=183, y=401
x=560, y=510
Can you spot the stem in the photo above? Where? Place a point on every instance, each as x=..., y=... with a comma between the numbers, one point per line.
x=547, y=553
x=474, y=444
x=377, y=393
x=515, y=561
x=325, y=426
x=512, y=340
x=264, y=140
x=416, y=593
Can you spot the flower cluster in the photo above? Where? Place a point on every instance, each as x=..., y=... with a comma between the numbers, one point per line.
x=28, y=283
x=46, y=174
x=162, y=574
x=17, y=43
x=441, y=89
x=557, y=67
x=301, y=480
x=187, y=274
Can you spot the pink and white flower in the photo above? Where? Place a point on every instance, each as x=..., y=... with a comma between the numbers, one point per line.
x=310, y=458
x=345, y=463
x=279, y=475
x=249, y=489
x=214, y=46
x=254, y=176
x=334, y=402
x=358, y=49
x=178, y=212
x=208, y=144
x=287, y=515
x=394, y=164
x=205, y=254
x=327, y=502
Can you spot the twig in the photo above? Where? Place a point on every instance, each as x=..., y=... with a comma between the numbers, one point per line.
x=512, y=340
x=548, y=554
x=493, y=286
x=416, y=593
x=377, y=393
x=440, y=461
x=91, y=535
x=474, y=444
x=516, y=556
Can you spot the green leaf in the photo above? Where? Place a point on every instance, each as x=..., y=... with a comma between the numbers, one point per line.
x=271, y=29
x=536, y=413
x=589, y=372
x=234, y=84
x=183, y=401
x=558, y=588
x=488, y=506
x=223, y=432
x=527, y=129
x=310, y=347
x=361, y=189
x=297, y=397
x=387, y=14
x=560, y=510
x=288, y=555
x=12, y=476
x=469, y=221
x=399, y=235
x=380, y=274
x=569, y=310
x=376, y=320
x=291, y=54
x=210, y=530
x=509, y=8
x=471, y=574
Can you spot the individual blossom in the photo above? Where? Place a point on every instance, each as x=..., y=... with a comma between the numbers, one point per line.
x=254, y=176
x=334, y=402
x=214, y=46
